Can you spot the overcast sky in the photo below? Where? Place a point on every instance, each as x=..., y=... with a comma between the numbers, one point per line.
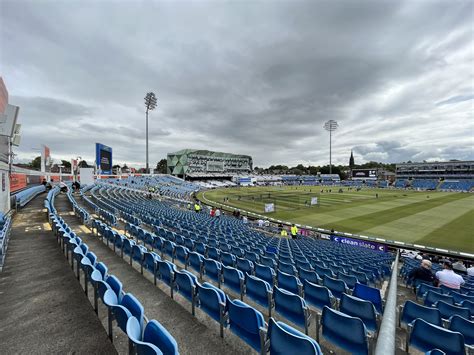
x=257, y=78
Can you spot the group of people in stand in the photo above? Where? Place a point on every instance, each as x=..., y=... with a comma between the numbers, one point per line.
x=446, y=277
x=215, y=212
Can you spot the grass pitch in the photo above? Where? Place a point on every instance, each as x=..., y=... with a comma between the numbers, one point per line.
x=437, y=219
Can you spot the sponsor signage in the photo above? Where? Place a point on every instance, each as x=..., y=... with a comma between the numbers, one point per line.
x=314, y=200
x=103, y=158
x=359, y=243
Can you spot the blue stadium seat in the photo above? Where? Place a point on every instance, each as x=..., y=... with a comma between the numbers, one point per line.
x=155, y=340
x=423, y=288
x=292, y=307
x=309, y=275
x=290, y=283
x=432, y=297
x=287, y=268
x=265, y=273
x=369, y=294
x=362, y=309
x=233, y=279
x=213, y=270
x=318, y=296
x=447, y=310
x=425, y=336
x=259, y=291
x=459, y=297
x=283, y=339
x=244, y=265
x=411, y=311
x=185, y=284
x=344, y=331
x=469, y=305
x=247, y=323
x=348, y=279
x=166, y=272
x=181, y=254
x=337, y=287
x=196, y=262
x=228, y=259
x=465, y=327
x=212, y=301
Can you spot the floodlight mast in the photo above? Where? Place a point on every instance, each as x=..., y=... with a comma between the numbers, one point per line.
x=150, y=104
x=330, y=126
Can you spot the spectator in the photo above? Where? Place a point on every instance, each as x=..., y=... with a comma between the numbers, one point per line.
x=459, y=266
x=244, y=219
x=212, y=213
x=294, y=231
x=470, y=270
x=422, y=273
x=260, y=223
x=218, y=213
x=283, y=232
x=448, y=277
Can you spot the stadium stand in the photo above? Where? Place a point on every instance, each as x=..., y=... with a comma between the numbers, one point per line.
x=457, y=185
x=424, y=184
x=23, y=197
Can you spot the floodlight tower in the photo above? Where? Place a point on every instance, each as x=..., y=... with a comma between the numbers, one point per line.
x=330, y=126
x=150, y=104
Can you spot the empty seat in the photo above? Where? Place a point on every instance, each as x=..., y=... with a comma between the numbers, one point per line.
x=290, y=283
x=337, y=287
x=181, y=254
x=369, y=294
x=195, y=261
x=423, y=288
x=363, y=309
x=185, y=284
x=458, y=298
x=309, y=275
x=447, y=310
x=213, y=270
x=228, y=259
x=468, y=304
x=233, y=279
x=432, y=297
x=213, y=253
x=166, y=272
x=247, y=323
x=284, y=339
x=425, y=336
x=292, y=307
x=318, y=296
x=344, y=331
x=259, y=291
x=463, y=326
x=287, y=268
x=155, y=340
x=265, y=273
x=411, y=311
x=348, y=279
x=212, y=301
x=244, y=265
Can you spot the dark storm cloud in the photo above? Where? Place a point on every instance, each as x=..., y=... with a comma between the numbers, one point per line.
x=257, y=78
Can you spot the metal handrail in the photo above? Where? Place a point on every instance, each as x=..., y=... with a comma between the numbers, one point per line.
x=386, y=337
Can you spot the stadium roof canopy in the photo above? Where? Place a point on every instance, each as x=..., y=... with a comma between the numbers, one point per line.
x=208, y=153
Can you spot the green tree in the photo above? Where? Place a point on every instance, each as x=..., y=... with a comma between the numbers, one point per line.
x=161, y=166
x=36, y=163
x=66, y=164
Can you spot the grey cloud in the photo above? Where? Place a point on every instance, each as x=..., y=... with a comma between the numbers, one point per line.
x=258, y=78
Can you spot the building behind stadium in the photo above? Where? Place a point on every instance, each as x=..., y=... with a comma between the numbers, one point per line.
x=450, y=170
x=194, y=163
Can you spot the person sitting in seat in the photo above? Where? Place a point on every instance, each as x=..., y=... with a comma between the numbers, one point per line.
x=422, y=273
x=448, y=277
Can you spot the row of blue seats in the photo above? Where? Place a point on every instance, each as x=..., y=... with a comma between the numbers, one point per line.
x=78, y=210
x=289, y=305
x=23, y=197
x=128, y=312
x=5, y=229
x=425, y=328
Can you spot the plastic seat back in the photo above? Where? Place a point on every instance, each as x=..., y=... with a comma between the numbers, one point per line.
x=258, y=290
x=247, y=323
x=289, y=282
x=447, y=310
x=317, y=296
x=412, y=311
x=344, y=331
x=265, y=273
x=357, y=307
x=426, y=336
x=186, y=284
x=291, y=306
x=337, y=287
x=288, y=340
x=233, y=279
x=211, y=300
x=369, y=294
x=463, y=326
x=432, y=297
x=309, y=275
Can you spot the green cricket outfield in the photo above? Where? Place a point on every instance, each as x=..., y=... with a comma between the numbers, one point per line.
x=430, y=218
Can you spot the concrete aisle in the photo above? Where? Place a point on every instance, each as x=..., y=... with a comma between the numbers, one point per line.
x=43, y=308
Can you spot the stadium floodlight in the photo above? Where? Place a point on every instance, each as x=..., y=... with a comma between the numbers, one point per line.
x=330, y=126
x=150, y=104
